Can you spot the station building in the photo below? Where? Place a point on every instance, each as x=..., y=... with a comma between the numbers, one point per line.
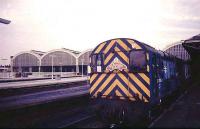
x=62, y=62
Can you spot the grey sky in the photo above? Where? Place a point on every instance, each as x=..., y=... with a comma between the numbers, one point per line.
x=81, y=24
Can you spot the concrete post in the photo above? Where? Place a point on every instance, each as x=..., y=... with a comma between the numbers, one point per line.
x=39, y=67
x=77, y=66
x=11, y=67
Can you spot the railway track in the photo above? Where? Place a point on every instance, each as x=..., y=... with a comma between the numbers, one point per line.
x=20, y=101
x=77, y=120
x=84, y=120
x=28, y=90
x=52, y=115
x=34, y=106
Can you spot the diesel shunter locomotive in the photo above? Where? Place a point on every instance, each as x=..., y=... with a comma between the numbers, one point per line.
x=128, y=77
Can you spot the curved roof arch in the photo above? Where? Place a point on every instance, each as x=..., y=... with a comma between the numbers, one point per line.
x=85, y=56
x=176, y=49
x=83, y=52
x=21, y=59
x=24, y=52
x=62, y=57
x=62, y=50
x=173, y=44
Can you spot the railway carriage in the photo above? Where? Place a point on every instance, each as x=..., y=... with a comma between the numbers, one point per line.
x=130, y=74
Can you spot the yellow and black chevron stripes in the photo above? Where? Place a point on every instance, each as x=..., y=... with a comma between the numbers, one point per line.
x=108, y=58
x=134, y=44
x=140, y=84
x=144, y=76
x=124, y=57
x=113, y=85
x=105, y=83
x=92, y=78
x=124, y=85
x=100, y=47
x=121, y=48
x=131, y=86
x=97, y=82
x=125, y=44
x=109, y=46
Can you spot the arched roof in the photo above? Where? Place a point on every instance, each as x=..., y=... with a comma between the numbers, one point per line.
x=83, y=52
x=24, y=52
x=84, y=55
x=171, y=45
x=62, y=50
x=177, y=49
x=62, y=57
x=20, y=59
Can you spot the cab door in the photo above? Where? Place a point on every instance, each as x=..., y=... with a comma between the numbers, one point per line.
x=138, y=75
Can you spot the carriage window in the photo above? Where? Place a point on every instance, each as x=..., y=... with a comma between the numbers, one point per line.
x=138, y=60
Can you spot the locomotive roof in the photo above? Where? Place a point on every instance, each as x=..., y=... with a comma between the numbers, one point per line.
x=144, y=46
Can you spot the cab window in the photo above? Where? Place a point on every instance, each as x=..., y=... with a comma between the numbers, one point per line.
x=93, y=60
x=138, y=61
x=93, y=63
x=97, y=62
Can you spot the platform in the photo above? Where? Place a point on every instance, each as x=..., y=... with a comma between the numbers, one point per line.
x=20, y=84
x=184, y=113
x=2, y=80
x=20, y=101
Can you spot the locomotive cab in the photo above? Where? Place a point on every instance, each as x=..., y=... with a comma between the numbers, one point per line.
x=120, y=69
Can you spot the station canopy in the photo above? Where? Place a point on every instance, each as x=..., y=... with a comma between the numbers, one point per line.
x=192, y=45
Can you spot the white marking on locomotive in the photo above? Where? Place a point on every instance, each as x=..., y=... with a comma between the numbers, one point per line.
x=98, y=68
x=165, y=69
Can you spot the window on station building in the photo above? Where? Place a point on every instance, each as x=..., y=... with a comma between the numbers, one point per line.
x=138, y=61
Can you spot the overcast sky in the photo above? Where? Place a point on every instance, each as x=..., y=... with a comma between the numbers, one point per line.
x=82, y=24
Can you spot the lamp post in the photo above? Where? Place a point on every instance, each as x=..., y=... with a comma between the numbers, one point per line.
x=39, y=67
x=4, y=21
x=52, y=56
x=11, y=66
x=82, y=65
